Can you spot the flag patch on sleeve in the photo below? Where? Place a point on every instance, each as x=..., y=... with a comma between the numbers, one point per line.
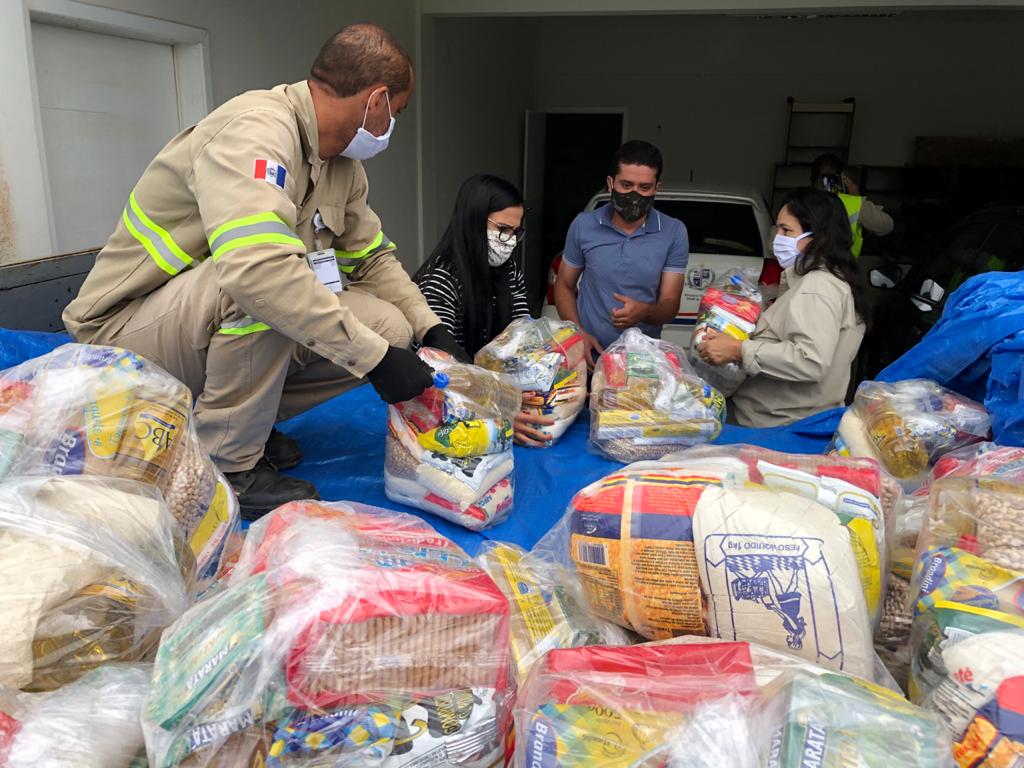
x=271, y=172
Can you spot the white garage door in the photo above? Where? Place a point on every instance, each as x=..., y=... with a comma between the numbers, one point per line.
x=108, y=104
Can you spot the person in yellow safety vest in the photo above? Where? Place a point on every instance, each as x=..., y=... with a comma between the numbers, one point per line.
x=828, y=174
x=248, y=264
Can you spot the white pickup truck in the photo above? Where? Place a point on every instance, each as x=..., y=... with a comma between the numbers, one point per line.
x=728, y=229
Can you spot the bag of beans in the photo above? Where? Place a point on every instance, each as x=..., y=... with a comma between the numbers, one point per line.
x=104, y=411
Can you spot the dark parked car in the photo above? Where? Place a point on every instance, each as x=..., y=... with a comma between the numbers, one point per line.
x=910, y=299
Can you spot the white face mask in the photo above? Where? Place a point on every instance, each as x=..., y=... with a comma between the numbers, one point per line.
x=497, y=251
x=786, y=250
x=364, y=144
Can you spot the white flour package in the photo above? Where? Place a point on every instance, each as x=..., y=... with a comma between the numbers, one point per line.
x=777, y=569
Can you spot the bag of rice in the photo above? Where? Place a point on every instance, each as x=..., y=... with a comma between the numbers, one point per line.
x=91, y=571
x=646, y=401
x=856, y=490
x=730, y=305
x=544, y=359
x=347, y=635
x=777, y=569
x=449, y=450
x=85, y=410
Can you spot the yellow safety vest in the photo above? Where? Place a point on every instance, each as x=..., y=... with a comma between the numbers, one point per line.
x=853, y=204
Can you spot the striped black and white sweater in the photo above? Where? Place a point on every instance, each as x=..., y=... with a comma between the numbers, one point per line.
x=442, y=289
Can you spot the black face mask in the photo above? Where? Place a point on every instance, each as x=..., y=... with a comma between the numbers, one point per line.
x=631, y=206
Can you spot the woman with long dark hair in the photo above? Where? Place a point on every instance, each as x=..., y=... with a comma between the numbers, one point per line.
x=799, y=359
x=471, y=280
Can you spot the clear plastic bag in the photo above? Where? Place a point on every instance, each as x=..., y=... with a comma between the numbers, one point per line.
x=91, y=723
x=91, y=571
x=969, y=573
x=646, y=401
x=544, y=358
x=731, y=305
x=910, y=424
x=600, y=707
x=671, y=547
x=87, y=410
x=449, y=450
x=347, y=635
x=544, y=614
x=806, y=719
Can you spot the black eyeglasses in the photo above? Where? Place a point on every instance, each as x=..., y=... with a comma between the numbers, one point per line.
x=506, y=233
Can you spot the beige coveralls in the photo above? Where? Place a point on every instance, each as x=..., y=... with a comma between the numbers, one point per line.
x=206, y=274
x=800, y=355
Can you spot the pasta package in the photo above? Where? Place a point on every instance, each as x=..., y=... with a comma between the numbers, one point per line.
x=545, y=359
x=449, y=450
x=646, y=401
x=91, y=571
x=104, y=411
x=544, y=614
x=346, y=635
x=730, y=305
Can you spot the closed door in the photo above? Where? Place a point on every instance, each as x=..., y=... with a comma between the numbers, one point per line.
x=108, y=104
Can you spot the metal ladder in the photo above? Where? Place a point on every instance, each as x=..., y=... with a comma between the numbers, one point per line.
x=813, y=129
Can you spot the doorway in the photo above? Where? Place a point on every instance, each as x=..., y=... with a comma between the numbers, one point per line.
x=565, y=163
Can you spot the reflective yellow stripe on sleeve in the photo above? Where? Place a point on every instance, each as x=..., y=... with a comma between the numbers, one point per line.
x=253, y=230
x=349, y=260
x=242, y=327
x=157, y=241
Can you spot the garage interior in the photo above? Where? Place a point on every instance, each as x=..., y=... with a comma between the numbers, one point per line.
x=934, y=130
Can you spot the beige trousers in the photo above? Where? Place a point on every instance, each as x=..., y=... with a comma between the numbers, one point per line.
x=242, y=383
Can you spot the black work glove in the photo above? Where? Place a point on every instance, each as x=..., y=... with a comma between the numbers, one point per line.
x=400, y=376
x=441, y=338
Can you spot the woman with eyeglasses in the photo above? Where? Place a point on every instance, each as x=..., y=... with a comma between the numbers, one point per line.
x=472, y=282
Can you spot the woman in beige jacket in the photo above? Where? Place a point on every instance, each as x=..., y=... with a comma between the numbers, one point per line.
x=799, y=358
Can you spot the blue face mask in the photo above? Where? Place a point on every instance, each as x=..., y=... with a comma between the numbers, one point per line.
x=786, y=250
x=364, y=144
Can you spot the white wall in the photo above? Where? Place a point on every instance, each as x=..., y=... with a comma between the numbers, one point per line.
x=479, y=82
x=252, y=44
x=711, y=91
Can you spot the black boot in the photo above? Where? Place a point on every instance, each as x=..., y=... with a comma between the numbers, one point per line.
x=282, y=451
x=262, y=489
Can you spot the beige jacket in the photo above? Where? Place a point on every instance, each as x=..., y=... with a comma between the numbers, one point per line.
x=218, y=189
x=799, y=357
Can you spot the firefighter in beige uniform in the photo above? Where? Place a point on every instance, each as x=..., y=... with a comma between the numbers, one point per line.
x=207, y=273
x=799, y=359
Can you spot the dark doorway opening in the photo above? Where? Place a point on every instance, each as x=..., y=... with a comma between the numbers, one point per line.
x=567, y=156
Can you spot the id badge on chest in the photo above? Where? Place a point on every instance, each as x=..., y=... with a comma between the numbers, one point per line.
x=323, y=261
x=325, y=266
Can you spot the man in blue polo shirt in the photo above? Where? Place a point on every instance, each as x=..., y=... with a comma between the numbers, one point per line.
x=632, y=258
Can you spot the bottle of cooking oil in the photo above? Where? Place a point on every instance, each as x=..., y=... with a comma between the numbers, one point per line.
x=903, y=454
x=476, y=393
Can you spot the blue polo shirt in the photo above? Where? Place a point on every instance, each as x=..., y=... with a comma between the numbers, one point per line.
x=614, y=262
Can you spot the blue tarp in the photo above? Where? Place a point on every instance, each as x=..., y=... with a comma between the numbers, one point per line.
x=976, y=349
x=343, y=442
